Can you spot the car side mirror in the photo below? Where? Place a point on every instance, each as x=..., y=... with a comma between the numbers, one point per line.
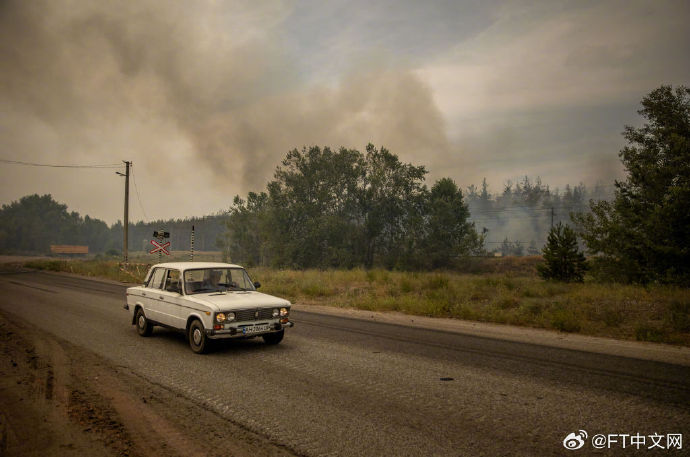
x=257, y=284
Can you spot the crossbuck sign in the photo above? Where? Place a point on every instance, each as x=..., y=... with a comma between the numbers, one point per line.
x=159, y=247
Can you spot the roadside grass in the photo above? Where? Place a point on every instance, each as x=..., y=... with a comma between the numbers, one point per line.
x=513, y=295
x=108, y=269
x=654, y=313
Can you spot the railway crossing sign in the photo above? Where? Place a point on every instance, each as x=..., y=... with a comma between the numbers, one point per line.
x=159, y=247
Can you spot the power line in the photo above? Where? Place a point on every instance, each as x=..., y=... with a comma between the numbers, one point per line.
x=32, y=164
x=530, y=208
x=512, y=241
x=511, y=218
x=559, y=189
x=137, y=191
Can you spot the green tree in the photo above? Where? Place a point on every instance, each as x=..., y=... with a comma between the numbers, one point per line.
x=644, y=233
x=244, y=241
x=391, y=196
x=313, y=209
x=563, y=260
x=327, y=208
x=449, y=233
x=35, y=222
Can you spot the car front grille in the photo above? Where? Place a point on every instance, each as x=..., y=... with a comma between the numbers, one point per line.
x=253, y=314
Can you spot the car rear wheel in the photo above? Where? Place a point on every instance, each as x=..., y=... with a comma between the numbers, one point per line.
x=197, y=337
x=274, y=338
x=144, y=327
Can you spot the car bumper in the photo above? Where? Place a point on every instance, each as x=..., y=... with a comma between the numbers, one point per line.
x=237, y=332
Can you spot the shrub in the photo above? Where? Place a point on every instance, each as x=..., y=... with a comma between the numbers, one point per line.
x=645, y=332
x=565, y=322
x=679, y=316
x=563, y=261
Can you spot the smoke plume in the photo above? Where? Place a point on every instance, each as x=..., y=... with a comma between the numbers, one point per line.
x=204, y=92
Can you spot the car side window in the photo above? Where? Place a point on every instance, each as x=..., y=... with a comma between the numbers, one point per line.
x=172, y=281
x=156, y=281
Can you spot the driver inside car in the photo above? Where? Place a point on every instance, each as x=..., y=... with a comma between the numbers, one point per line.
x=211, y=280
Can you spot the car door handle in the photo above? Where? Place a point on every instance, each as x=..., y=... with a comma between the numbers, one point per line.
x=143, y=293
x=161, y=297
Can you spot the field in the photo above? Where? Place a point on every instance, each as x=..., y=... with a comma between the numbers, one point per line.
x=505, y=291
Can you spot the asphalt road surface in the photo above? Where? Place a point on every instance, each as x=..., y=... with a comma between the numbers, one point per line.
x=343, y=386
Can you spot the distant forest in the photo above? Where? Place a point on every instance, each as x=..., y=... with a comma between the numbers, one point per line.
x=515, y=221
x=33, y=223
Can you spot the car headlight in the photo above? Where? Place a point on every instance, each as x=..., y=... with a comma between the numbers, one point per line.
x=276, y=312
x=220, y=317
x=284, y=312
x=230, y=317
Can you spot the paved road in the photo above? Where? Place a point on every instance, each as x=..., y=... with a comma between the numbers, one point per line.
x=339, y=386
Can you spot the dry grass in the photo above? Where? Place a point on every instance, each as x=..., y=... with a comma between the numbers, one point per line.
x=108, y=269
x=657, y=313
x=514, y=296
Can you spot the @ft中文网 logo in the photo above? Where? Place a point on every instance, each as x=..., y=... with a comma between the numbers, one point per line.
x=575, y=440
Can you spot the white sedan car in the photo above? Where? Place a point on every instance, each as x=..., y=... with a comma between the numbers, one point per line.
x=206, y=301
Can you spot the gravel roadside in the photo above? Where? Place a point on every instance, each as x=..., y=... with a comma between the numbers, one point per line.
x=60, y=400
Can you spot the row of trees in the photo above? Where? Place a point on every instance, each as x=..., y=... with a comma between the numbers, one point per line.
x=344, y=208
x=517, y=220
x=526, y=193
x=33, y=223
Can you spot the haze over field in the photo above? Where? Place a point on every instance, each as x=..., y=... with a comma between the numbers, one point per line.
x=206, y=97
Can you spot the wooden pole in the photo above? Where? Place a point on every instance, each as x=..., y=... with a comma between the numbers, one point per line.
x=125, y=249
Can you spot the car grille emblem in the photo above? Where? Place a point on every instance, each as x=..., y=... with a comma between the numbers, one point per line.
x=256, y=314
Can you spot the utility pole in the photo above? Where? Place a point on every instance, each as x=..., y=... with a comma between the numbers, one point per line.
x=125, y=227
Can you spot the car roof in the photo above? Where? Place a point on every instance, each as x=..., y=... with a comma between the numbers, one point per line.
x=195, y=265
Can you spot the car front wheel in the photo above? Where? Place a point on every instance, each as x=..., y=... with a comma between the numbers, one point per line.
x=144, y=327
x=274, y=338
x=197, y=337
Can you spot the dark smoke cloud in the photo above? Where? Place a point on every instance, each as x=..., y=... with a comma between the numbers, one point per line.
x=198, y=90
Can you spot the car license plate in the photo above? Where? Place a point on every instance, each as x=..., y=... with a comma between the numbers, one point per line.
x=255, y=329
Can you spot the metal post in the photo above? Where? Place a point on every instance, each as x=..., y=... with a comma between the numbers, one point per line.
x=192, y=246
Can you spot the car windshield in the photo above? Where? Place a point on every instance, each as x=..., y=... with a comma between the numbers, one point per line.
x=207, y=280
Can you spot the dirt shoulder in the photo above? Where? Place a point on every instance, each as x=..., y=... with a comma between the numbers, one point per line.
x=58, y=399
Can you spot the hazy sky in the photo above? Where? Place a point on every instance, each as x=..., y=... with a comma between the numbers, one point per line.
x=206, y=97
